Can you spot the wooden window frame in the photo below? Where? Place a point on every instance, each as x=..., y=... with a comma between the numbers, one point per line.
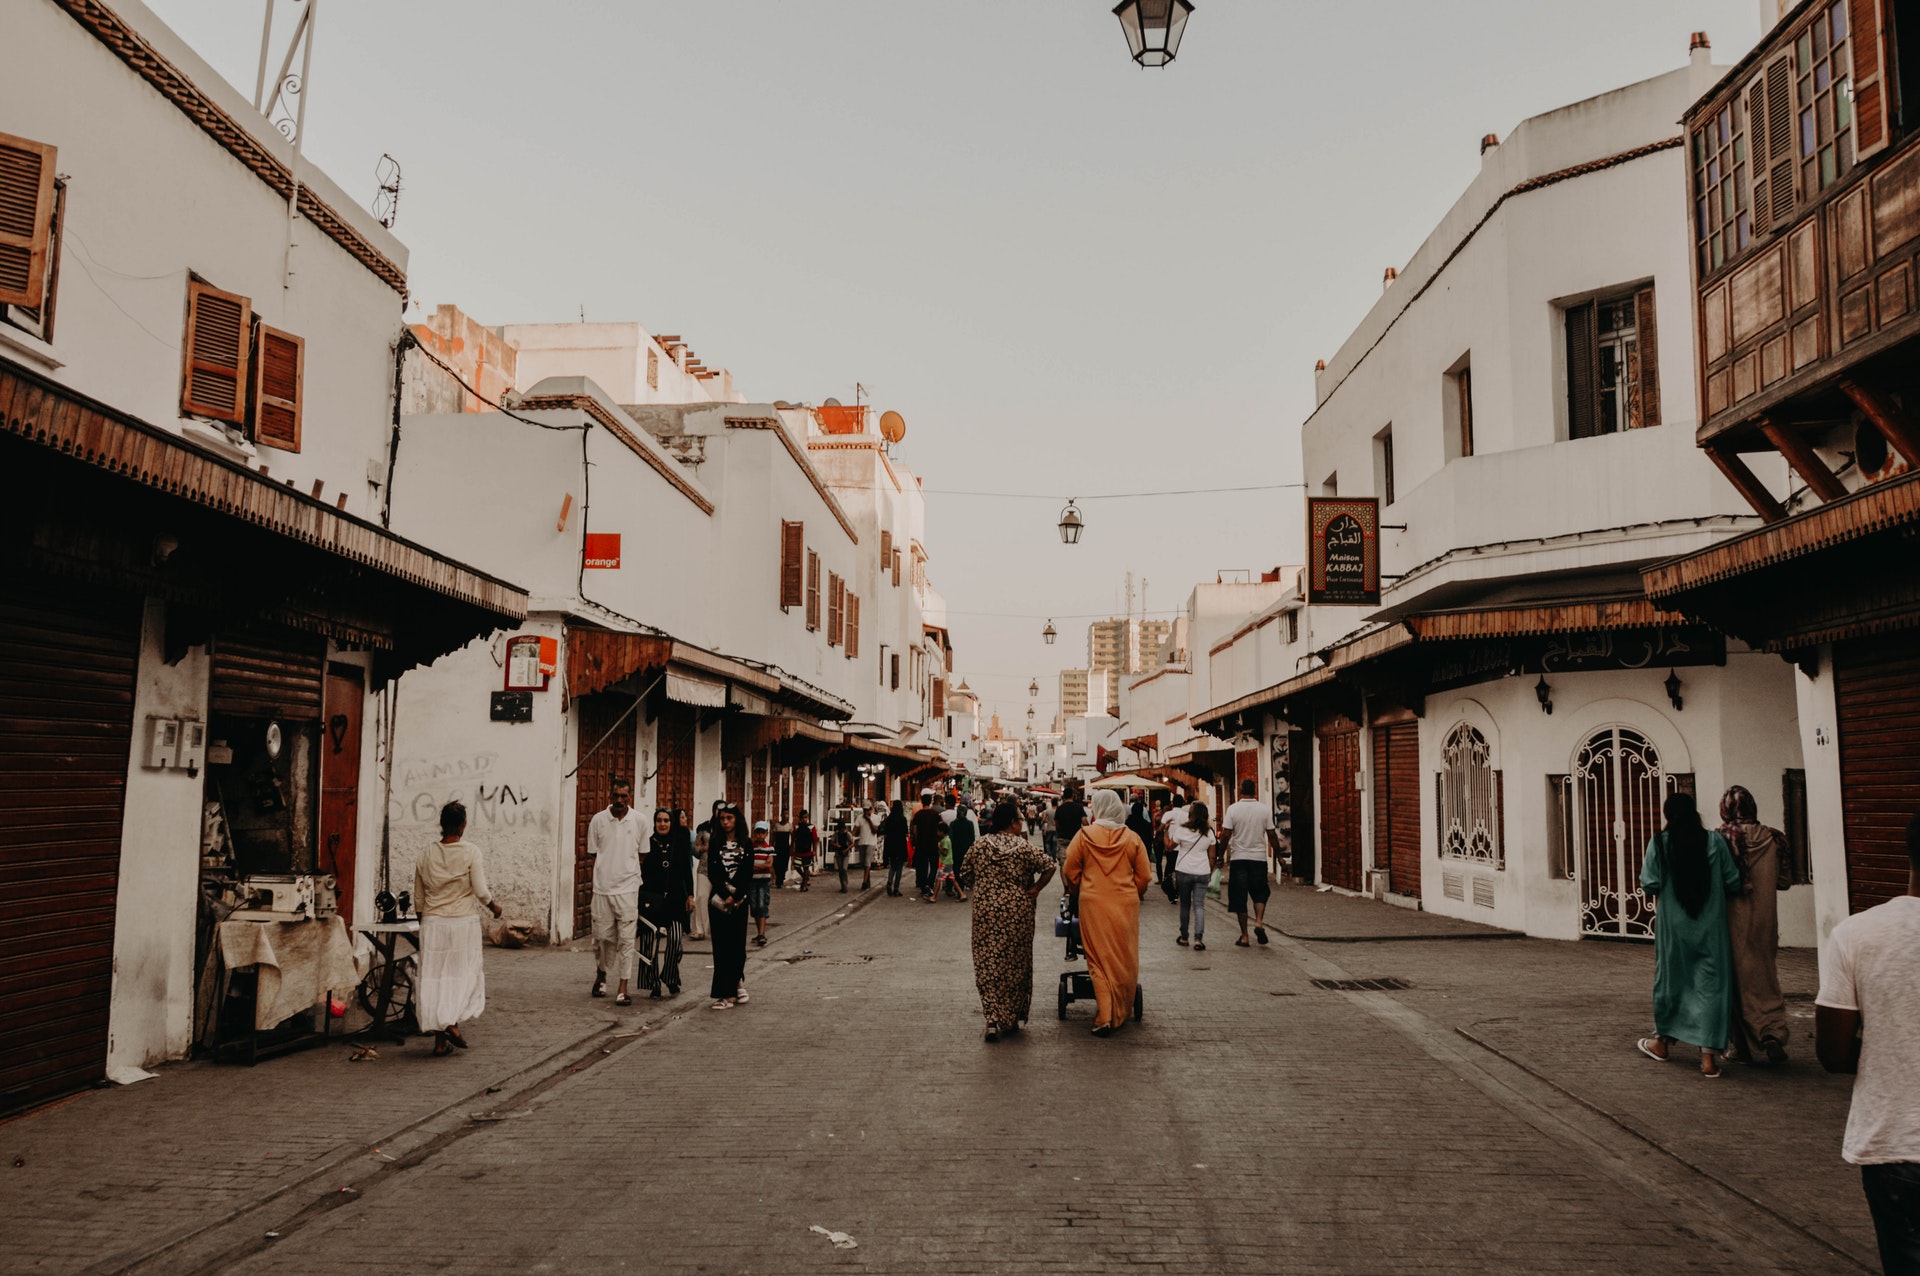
x=34, y=242
x=37, y=321
x=836, y=609
x=896, y=671
x=853, y=626
x=793, y=550
x=1638, y=368
x=191, y=362
x=886, y=550
x=813, y=590
x=261, y=400
x=896, y=567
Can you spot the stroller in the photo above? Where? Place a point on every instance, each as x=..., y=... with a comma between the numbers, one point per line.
x=1077, y=985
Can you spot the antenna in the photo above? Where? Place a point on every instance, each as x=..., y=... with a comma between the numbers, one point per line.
x=386, y=202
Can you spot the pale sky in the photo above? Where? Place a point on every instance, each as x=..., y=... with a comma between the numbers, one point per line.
x=1069, y=274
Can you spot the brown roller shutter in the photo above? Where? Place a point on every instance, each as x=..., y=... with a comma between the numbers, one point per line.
x=601, y=724
x=261, y=674
x=1339, y=740
x=673, y=787
x=1396, y=805
x=66, y=733
x=1877, y=690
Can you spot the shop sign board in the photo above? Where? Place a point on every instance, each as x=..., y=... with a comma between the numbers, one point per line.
x=1343, y=550
x=532, y=660
x=603, y=550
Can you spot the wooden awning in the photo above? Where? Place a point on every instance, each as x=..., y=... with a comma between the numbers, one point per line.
x=744, y=736
x=44, y=412
x=1526, y=621
x=599, y=658
x=1881, y=508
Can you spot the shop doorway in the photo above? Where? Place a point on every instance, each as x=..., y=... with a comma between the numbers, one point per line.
x=345, y=701
x=1340, y=803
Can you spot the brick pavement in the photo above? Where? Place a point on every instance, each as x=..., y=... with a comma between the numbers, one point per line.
x=1253, y=1122
x=112, y=1175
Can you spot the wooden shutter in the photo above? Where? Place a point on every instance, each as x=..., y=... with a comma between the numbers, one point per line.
x=896, y=671
x=853, y=626
x=813, y=590
x=939, y=697
x=1866, y=25
x=793, y=550
x=280, y=365
x=896, y=569
x=1465, y=382
x=836, y=609
x=1757, y=155
x=1583, y=409
x=1876, y=689
x=1646, y=337
x=26, y=219
x=886, y=551
x=1779, y=139
x=218, y=325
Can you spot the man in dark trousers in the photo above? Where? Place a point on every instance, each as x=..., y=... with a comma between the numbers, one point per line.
x=925, y=833
x=1067, y=820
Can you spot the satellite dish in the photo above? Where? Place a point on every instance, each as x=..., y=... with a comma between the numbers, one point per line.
x=893, y=427
x=831, y=403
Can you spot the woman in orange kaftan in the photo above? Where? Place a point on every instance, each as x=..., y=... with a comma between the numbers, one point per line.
x=1107, y=865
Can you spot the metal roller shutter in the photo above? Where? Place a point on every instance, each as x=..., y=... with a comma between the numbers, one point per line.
x=66, y=732
x=268, y=675
x=1877, y=688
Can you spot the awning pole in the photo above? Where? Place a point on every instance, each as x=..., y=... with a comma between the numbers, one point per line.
x=615, y=727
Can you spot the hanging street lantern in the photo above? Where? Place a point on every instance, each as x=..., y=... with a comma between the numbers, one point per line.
x=1033, y=688
x=1153, y=28
x=1048, y=633
x=1071, y=524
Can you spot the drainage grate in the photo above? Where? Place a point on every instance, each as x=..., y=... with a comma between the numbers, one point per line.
x=1362, y=985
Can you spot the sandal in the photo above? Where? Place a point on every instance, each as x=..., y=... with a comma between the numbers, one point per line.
x=1242, y=942
x=599, y=988
x=1709, y=1067
x=1199, y=947
x=725, y=1003
x=741, y=997
x=442, y=1048
x=453, y=1035
x=623, y=1000
x=1647, y=1045
x=1182, y=941
x=1260, y=933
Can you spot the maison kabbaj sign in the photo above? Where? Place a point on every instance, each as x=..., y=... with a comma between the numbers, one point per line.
x=1343, y=550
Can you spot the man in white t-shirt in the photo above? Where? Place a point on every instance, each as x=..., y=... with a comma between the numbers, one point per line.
x=613, y=840
x=1170, y=820
x=1870, y=986
x=1250, y=839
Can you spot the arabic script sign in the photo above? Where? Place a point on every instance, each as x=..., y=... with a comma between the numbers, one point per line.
x=1343, y=550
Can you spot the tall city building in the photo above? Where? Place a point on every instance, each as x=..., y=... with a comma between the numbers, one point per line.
x=1073, y=692
x=1153, y=635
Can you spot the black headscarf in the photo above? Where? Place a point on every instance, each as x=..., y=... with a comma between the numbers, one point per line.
x=1686, y=849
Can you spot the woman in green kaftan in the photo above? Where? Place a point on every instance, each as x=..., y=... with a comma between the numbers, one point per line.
x=1689, y=872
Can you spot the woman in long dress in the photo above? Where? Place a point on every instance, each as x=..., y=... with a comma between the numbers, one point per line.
x=1006, y=874
x=730, y=872
x=666, y=901
x=450, y=888
x=1753, y=925
x=893, y=834
x=1689, y=872
x=1107, y=865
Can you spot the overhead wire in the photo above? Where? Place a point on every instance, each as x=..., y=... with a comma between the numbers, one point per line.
x=1113, y=496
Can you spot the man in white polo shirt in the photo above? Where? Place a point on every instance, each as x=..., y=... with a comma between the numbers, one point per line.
x=1250, y=839
x=1867, y=1021
x=613, y=840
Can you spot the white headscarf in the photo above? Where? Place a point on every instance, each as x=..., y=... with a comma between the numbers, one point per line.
x=1109, y=810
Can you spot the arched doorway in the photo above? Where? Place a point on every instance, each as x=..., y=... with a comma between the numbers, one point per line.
x=1617, y=791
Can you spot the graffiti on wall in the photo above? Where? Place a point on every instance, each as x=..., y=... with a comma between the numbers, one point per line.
x=421, y=786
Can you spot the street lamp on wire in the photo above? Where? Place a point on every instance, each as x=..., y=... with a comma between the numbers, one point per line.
x=1153, y=28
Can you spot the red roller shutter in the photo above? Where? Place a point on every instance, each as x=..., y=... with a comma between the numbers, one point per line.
x=66, y=734
x=1877, y=689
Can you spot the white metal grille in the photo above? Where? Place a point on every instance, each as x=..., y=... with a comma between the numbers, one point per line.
x=1468, y=808
x=1617, y=792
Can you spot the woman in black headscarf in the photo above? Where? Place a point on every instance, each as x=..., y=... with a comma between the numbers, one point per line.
x=1689, y=872
x=730, y=870
x=893, y=832
x=666, y=901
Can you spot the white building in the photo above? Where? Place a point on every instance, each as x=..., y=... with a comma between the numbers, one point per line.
x=1495, y=740
x=195, y=418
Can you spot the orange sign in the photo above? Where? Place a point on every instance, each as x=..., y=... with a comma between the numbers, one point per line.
x=603, y=549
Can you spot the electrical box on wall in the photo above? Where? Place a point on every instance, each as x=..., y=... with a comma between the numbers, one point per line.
x=511, y=706
x=193, y=746
x=163, y=743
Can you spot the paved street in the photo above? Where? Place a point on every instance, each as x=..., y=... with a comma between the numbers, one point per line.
x=1490, y=1117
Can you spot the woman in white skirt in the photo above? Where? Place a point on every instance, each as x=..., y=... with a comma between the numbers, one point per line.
x=450, y=888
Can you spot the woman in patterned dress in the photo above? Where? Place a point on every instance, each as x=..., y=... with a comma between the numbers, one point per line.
x=1006, y=875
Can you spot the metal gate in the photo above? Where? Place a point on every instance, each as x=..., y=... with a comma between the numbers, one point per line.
x=1617, y=792
x=67, y=659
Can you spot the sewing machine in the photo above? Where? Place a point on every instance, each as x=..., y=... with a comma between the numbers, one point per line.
x=275, y=897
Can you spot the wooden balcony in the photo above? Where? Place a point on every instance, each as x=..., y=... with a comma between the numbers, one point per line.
x=1805, y=263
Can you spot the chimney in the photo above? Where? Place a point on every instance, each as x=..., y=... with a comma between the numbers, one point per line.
x=1386, y=280
x=1319, y=365
x=1700, y=50
x=1488, y=142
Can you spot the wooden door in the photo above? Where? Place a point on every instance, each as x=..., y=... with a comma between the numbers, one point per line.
x=341, y=717
x=600, y=723
x=67, y=660
x=1340, y=803
x=1877, y=690
x=1396, y=805
x=673, y=787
